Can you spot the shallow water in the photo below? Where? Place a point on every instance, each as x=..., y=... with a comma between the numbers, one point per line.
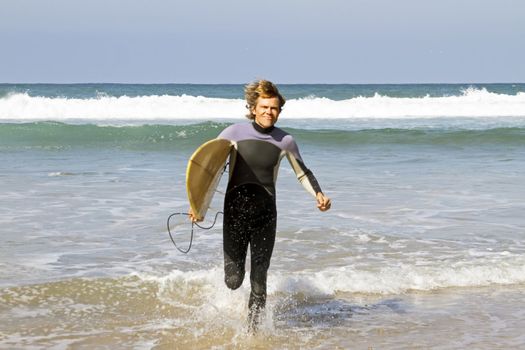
x=423, y=248
x=198, y=313
x=420, y=242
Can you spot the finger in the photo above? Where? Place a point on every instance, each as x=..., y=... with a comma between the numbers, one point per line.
x=324, y=206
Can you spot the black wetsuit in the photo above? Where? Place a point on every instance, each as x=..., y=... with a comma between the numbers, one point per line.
x=249, y=207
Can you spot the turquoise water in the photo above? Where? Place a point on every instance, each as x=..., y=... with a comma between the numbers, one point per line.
x=426, y=234
x=291, y=91
x=53, y=135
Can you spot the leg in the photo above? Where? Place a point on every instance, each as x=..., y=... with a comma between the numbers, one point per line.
x=262, y=241
x=249, y=218
x=261, y=248
x=235, y=241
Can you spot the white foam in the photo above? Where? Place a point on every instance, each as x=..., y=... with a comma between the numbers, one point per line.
x=25, y=107
x=205, y=292
x=401, y=278
x=472, y=103
x=393, y=279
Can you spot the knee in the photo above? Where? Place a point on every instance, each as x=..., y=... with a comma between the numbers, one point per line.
x=233, y=272
x=234, y=281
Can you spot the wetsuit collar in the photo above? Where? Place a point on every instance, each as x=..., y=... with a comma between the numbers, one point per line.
x=261, y=129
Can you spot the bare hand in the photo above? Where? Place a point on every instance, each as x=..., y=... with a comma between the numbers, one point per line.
x=323, y=203
x=192, y=216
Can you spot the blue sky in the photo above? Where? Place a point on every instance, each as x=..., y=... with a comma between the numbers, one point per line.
x=288, y=41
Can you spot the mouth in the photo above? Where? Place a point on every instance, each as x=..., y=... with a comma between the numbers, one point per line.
x=267, y=120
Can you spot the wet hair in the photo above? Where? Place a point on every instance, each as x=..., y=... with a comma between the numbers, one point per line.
x=264, y=89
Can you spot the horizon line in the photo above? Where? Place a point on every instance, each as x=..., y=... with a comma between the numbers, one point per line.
x=244, y=83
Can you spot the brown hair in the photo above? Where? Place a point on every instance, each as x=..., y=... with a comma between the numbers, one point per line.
x=264, y=89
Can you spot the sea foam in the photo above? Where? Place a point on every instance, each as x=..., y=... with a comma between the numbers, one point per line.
x=471, y=103
x=393, y=279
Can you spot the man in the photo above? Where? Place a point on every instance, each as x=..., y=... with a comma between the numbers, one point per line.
x=249, y=205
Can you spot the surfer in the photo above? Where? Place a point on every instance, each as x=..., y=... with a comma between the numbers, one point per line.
x=250, y=215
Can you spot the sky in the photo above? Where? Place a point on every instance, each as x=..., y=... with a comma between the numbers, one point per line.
x=287, y=41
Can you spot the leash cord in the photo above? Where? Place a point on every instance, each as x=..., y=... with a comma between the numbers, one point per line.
x=224, y=169
x=193, y=224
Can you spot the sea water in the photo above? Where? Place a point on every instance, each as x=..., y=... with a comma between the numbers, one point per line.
x=424, y=246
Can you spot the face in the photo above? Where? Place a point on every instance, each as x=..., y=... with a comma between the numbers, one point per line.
x=266, y=111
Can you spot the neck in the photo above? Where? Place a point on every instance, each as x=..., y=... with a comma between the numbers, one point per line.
x=262, y=129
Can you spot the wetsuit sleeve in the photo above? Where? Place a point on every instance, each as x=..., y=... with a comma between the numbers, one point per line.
x=304, y=175
x=227, y=134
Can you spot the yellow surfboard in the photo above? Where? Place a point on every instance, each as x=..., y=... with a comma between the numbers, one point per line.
x=204, y=172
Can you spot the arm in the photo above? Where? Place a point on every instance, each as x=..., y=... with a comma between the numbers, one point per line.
x=307, y=178
x=304, y=175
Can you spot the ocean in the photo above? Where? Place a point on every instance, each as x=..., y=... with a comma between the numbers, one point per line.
x=424, y=247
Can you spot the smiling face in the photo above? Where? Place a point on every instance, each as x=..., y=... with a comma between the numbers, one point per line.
x=266, y=111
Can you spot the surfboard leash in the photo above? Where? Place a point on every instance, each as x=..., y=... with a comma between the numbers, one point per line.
x=193, y=224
